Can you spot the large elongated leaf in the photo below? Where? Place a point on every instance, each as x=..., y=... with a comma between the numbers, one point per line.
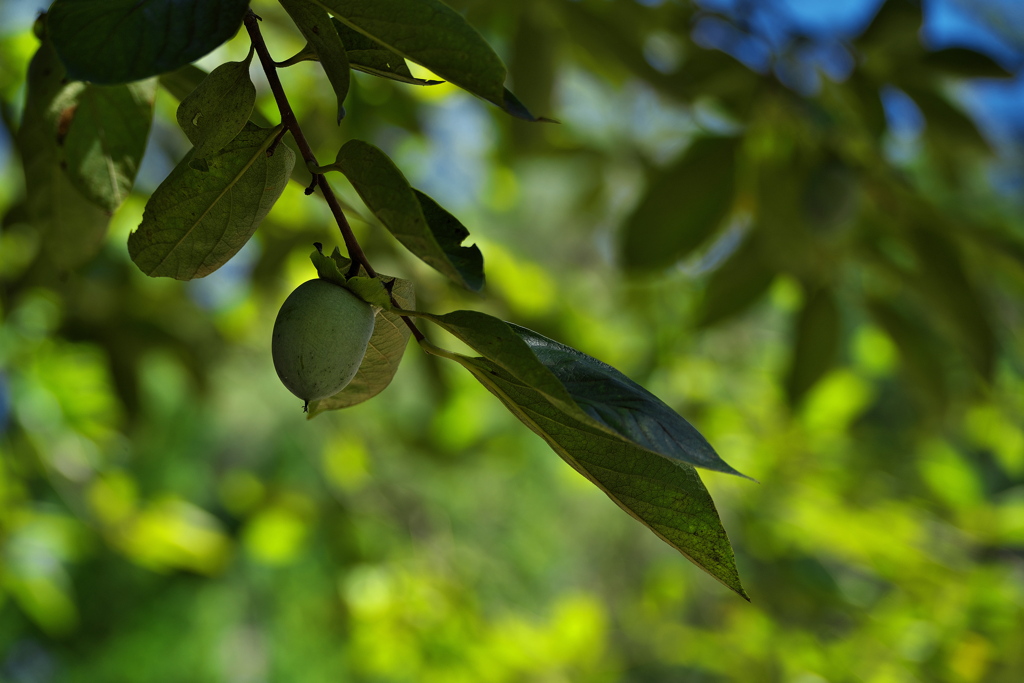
x=315, y=25
x=621, y=406
x=217, y=109
x=117, y=41
x=433, y=35
x=383, y=354
x=197, y=220
x=104, y=133
x=72, y=226
x=683, y=206
x=584, y=388
x=371, y=57
x=667, y=497
x=423, y=227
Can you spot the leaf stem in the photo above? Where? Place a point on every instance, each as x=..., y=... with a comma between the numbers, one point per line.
x=355, y=251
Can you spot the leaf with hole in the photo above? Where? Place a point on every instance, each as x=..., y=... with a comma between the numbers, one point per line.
x=196, y=220
x=216, y=111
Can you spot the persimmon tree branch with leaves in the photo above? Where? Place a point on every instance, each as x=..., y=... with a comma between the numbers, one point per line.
x=86, y=120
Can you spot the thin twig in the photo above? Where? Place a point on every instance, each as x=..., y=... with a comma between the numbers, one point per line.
x=355, y=251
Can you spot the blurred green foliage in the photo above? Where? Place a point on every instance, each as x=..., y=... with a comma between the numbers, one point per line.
x=847, y=333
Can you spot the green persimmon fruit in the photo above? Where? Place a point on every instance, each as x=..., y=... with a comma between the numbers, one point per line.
x=320, y=338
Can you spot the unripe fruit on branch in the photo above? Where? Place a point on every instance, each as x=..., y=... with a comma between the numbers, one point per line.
x=320, y=338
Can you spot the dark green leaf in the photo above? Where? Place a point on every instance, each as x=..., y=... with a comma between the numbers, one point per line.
x=737, y=283
x=195, y=221
x=423, y=227
x=315, y=25
x=667, y=497
x=181, y=82
x=72, y=227
x=583, y=387
x=218, y=108
x=371, y=57
x=495, y=340
x=104, y=132
x=943, y=281
x=787, y=243
x=383, y=354
x=433, y=35
x=867, y=102
x=117, y=41
x=621, y=406
x=683, y=206
x=897, y=22
x=830, y=196
x=920, y=349
x=450, y=233
x=816, y=339
x=957, y=61
x=946, y=123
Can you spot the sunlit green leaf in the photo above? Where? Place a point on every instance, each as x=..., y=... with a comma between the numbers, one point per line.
x=423, y=227
x=196, y=220
x=104, y=133
x=315, y=25
x=218, y=108
x=683, y=206
x=117, y=41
